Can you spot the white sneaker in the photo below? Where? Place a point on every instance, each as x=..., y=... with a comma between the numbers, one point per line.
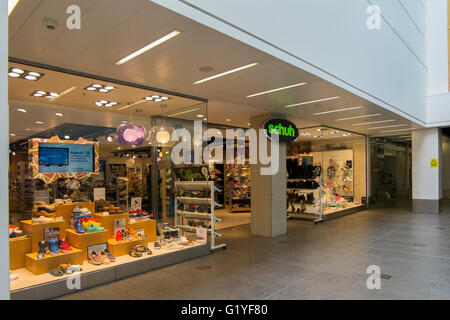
x=13, y=276
x=85, y=210
x=73, y=268
x=41, y=219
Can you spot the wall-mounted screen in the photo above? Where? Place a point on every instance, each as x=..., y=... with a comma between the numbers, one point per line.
x=53, y=156
x=66, y=158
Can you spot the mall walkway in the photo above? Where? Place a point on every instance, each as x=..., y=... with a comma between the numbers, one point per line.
x=325, y=261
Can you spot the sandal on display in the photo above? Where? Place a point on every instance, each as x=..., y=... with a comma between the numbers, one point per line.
x=56, y=272
x=94, y=258
x=140, y=251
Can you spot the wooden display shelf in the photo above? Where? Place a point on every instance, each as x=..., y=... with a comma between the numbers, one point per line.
x=36, y=230
x=149, y=227
x=108, y=221
x=123, y=247
x=17, y=250
x=65, y=210
x=42, y=266
x=85, y=240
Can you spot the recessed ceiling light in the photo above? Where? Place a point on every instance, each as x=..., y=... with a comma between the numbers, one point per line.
x=373, y=122
x=100, y=88
x=22, y=110
x=66, y=137
x=27, y=129
x=164, y=98
x=226, y=73
x=43, y=94
x=11, y=5
x=384, y=127
x=109, y=138
x=105, y=103
x=148, y=47
x=338, y=110
x=34, y=74
x=158, y=100
x=54, y=94
x=32, y=78
x=17, y=70
x=24, y=74
x=13, y=75
x=228, y=120
x=275, y=90
x=98, y=104
x=155, y=96
x=360, y=117
x=199, y=116
x=39, y=122
x=12, y=134
x=58, y=114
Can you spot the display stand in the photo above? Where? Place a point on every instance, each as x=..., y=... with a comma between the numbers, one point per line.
x=42, y=266
x=17, y=250
x=123, y=247
x=183, y=215
x=36, y=230
x=65, y=210
x=85, y=240
x=108, y=221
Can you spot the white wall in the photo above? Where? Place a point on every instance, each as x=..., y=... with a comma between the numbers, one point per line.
x=4, y=158
x=426, y=181
x=330, y=39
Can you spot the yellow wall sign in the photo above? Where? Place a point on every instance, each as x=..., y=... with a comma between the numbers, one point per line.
x=434, y=163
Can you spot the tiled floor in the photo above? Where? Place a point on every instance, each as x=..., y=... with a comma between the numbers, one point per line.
x=326, y=261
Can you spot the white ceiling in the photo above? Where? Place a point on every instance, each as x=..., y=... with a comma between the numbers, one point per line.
x=112, y=29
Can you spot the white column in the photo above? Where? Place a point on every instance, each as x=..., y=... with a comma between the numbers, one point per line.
x=4, y=155
x=426, y=180
x=268, y=217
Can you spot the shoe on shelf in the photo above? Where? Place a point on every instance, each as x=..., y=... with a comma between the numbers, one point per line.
x=110, y=255
x=41, y=219
x=73, y=268
x=64, y=246
x=46, y=209
x=85, y=211
x=118, y=236
x=104, y=258
x=79, y=228
x=53, y=247
x=43, y=213
x=94, y=228
x=156, y=245
x=13, y=276
x=56, y=272
x=77, y=210
x=59, y=201
x=94, y=258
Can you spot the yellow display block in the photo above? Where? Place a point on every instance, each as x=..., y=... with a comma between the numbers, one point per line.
x=149, y=227
x=65, y=210
x=42, y=266
x=108, y=221
x=36, y=230
x=17, y=250
x=85, y=240
x=123, y=247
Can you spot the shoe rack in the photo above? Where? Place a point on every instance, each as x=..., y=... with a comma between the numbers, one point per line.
x=238, y=188
x=191, y=198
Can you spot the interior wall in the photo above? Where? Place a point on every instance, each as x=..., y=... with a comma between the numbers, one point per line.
x=4, y=158
x=446, y=169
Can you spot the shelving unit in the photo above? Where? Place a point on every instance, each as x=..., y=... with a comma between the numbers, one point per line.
x=238, y=188
x=122, y=193
x=182, y=203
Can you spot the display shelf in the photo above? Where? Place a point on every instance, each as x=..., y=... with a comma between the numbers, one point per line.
x=149, y=227
x=85, y=240
x=65, y=210
x=123, y=247
x=182, y=216
x=51, y=261
x=108, y=221
x=36, y=230
x=17, y=250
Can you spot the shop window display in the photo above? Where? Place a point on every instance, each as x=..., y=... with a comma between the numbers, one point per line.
x=326, y=173
x=88, y=197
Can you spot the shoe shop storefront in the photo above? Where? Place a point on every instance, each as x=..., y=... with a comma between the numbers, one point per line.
x=93, y=194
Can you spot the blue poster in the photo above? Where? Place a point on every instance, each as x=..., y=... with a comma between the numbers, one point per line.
x=65, y=158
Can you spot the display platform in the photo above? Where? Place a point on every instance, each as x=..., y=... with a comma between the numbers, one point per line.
x=45, y=286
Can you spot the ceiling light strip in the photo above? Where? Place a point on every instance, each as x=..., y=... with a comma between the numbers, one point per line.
x=133, y=104
x=309, y=102
x=397, y=130
x=373, y=122
x=275, y=90
x=12, y=5
x=148, y=47
x=227, y=73
x=334, y=111
x=360, y=117
x=384, y=127
x=63, y=93
x=183, y=112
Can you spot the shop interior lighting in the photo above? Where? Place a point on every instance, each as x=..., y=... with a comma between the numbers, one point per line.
x=275, y=90
x=183, y=112
x=22, y=110
x=338, y=110
x=156, y=98
x=100, y=88
x=360, y=117
x=45, y=94
x=105, y=103
x=59, y=114
x=24, y=74
x=384, y=127
x=397, y=130
x=148, y=47
x=227, y=73
x=309, y=102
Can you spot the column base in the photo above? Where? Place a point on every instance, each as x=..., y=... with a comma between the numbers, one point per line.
x=426, y=206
